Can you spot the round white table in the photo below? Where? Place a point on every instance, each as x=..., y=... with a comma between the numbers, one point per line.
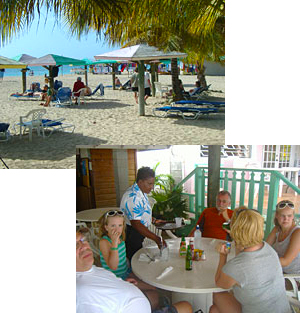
x=92, y=215
x=195, y=286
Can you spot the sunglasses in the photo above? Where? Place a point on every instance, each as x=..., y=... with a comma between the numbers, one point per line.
x=286, y=203
x=82, y=240
x=113, y=213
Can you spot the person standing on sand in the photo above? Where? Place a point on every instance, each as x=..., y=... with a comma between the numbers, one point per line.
x=147, y=84
x=134, y=84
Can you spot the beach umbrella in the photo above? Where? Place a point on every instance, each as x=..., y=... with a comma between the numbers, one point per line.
x=24, y=58
x=139, y=54
x=10, y=63
x=52, y=61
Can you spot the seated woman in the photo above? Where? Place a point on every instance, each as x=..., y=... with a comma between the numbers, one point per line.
x=254, y=274
x=285, y=238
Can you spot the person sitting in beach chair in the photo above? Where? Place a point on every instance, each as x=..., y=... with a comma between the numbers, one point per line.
x=180, y=87
x=48, y=97
x=196, y=90
x=77, y=86
x=34, y=90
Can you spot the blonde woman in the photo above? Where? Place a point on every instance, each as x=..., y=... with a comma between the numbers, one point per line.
x=285, y=237
x=254, y=274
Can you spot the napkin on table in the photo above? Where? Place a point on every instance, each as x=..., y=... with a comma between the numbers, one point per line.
x=165, y=272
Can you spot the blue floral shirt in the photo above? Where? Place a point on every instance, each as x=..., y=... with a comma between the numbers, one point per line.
x=136, y=206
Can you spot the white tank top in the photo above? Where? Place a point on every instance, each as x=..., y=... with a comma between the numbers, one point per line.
x=281, y=246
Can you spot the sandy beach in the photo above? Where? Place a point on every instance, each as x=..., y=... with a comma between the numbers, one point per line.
x=111, y=119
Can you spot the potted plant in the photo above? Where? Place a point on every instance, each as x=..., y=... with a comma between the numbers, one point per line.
x=169, y=201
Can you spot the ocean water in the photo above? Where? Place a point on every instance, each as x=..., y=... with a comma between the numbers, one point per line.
x=38, y=71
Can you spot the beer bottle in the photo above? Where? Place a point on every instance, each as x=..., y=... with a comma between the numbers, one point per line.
x=188, y=259
x=182, y=249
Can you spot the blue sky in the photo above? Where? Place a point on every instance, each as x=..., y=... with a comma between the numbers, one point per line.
x=42, y=39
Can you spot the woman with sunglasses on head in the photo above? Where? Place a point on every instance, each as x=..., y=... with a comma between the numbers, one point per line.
x=285, y=237
x=138, y=212
x=254, y=274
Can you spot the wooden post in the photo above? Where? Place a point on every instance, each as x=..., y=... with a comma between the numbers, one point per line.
x=86, y=75
x=23, y=70
x=141, y=88
x=153, y=79
x=214, y=156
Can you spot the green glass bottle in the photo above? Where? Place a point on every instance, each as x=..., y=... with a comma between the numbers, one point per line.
x=188, y=259
x=226, y=225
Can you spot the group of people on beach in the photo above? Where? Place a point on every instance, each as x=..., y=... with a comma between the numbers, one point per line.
x=255, y=274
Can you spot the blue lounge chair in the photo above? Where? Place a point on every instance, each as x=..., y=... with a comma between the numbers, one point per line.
x=187, y=113
x=53, y=125
x=217, y=104
x=63, y=95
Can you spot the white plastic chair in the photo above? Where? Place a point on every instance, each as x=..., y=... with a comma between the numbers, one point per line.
x=31, y=121
x=160, y=88
x=295, y=304
x=81, y=96
x=295, y=293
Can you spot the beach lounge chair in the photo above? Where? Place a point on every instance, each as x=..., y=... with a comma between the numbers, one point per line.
x=187, y=113
x=216, y=104
x=30, y=96
x=54, y=125
x=31, y=121
x=197, y=95
x=63, y=95
x=4, y=132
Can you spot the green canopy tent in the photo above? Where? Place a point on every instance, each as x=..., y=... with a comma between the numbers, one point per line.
x=53, y=61
x=24, y=58
x=90, y=62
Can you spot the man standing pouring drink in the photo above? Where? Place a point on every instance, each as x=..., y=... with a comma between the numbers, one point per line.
x=138, y=212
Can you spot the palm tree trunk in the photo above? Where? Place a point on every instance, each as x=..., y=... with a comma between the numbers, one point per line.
x=200, y=74
x=114, y=76
x=175, y=82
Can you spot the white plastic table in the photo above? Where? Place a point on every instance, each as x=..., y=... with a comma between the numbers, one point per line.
x=92, y=215
x=195, y=286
